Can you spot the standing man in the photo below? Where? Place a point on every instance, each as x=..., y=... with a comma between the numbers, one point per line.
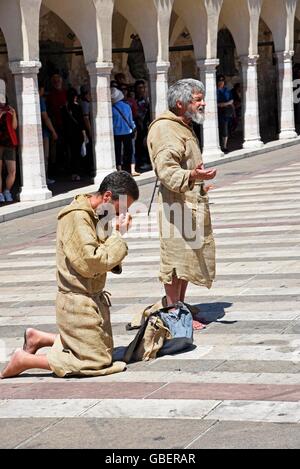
x=187, y=245
x=47, y=130
x=84, y=344
x=225, y=111
x=56, y=99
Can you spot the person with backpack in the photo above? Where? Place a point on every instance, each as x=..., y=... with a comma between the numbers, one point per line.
x=124, y=129
x=8, y=144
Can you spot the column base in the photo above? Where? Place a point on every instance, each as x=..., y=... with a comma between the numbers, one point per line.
x=252, y=144
x=29, y=195
x=287, y=134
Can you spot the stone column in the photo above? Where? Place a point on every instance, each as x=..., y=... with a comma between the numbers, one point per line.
x=285, y=95
x=211, y=142
x=102, y=118
x=30, y=131
x=158, y=74
x=250, y=102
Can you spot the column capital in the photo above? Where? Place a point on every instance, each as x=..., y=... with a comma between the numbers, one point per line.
x=208, y=65
x=99, y=68
x=158, y=67
x=284, y=56
x=249, y=60
x=25, y=67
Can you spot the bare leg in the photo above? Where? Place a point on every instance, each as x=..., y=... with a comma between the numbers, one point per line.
x=11, y=174
x=197, y=325
x=133, y=170
x=173, y=291
x=35, y=339
x=22, y=361
x=176, y=292
x=184, y=285
x=225, y=141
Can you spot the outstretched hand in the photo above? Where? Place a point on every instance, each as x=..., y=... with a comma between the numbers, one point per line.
x=199, y=173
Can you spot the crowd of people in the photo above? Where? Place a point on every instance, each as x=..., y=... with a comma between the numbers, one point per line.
x=67, y=128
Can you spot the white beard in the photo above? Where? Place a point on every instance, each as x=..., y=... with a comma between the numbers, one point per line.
x=197, y=117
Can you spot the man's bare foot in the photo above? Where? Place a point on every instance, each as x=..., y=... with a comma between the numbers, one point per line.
x=197, y=325
x=31, y=341
x=15, y=365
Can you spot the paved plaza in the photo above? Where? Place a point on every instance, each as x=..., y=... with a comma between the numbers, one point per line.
x=238, y=388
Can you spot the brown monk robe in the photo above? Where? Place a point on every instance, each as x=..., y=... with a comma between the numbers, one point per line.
x=84, y=345
x=175, y=152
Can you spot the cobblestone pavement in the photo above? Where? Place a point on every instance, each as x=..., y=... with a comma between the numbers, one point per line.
x=239, y=388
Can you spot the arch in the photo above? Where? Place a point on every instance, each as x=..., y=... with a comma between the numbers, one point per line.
x=235, y=16
x=5, y=73
x=96, y=46
x=177, y=29
x=183, y=63
x=19, y=23
x=134, y=12
x=54, y=37
x=226, y=47
x=122, y=36
x=129, y=31
x=279, y=16
x=190, y=12
x=122, y=31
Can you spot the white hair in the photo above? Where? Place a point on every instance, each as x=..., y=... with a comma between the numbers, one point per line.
x=183, y=91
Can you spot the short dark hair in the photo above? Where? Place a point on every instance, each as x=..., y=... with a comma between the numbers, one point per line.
x=119, y=183
x=138, y=83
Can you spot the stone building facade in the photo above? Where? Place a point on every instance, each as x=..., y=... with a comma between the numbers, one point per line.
x=255, y=42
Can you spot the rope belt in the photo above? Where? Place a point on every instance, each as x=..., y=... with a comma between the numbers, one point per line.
x=103, y=296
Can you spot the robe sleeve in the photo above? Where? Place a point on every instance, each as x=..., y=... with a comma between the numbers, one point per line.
x=167, y=150
x=86, y=254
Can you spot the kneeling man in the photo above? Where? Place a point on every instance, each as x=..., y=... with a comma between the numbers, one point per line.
x=85, y=253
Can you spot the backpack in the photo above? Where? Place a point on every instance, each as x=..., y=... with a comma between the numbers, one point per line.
x=8, y=137
x=163, y=332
